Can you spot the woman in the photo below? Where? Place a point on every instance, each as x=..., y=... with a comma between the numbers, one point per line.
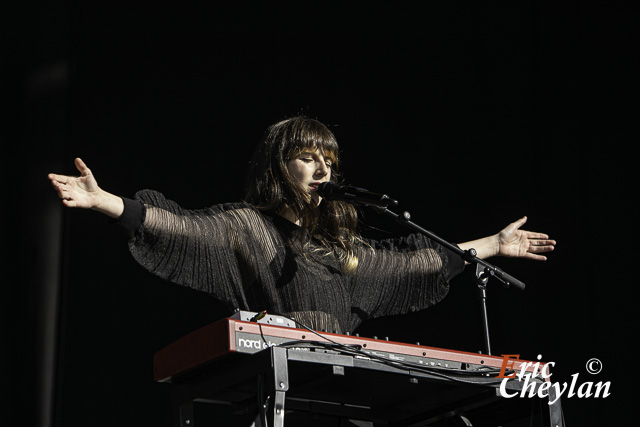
x=284, y=249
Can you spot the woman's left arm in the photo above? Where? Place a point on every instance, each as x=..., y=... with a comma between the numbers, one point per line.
x=513, y=242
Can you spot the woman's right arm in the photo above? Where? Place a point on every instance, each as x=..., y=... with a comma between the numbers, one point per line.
x=83, y=192
x=193, y=248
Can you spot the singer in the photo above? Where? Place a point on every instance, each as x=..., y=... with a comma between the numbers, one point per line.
x=284, y=249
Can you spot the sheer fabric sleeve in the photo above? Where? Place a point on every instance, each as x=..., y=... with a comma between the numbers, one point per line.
x=194, y=248
x=397, y=276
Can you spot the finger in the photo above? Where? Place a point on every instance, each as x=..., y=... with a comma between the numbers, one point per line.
x=61, y=189
x=62, y=193
x=70, y=203
x=59, y=193
x=82, y=167
x=519, y=223
x=532, y=235
x=58, y=184
x=63, y=179
x=541, y=242
x=538, y=249
x=535, y=257
x=58, y=187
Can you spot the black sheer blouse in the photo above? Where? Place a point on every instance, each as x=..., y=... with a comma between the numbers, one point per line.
x=245, y=258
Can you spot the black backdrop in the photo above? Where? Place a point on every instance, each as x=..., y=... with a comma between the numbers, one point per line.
x=470, y=116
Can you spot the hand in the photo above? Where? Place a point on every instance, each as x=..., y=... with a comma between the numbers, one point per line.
x=513, y=242
x=77, y=192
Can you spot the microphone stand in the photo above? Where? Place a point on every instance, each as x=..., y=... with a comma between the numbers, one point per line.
x=484, y=270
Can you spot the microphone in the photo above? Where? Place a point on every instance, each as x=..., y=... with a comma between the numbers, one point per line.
x=347, y=193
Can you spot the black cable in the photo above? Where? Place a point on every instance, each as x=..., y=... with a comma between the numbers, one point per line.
x=357, y=349
x=399, y=364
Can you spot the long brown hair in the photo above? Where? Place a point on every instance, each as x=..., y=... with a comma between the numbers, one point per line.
x=270, y=187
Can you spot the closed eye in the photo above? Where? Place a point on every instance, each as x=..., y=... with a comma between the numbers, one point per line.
x=308, y=158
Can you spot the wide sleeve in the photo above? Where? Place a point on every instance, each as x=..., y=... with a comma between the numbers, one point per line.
x=194, y=248
x=397, y=276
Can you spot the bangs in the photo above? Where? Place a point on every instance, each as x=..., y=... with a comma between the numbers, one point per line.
x=328, y=152
x=309, y=136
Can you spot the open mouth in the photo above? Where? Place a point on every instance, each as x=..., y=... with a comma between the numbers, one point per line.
x=314, y=185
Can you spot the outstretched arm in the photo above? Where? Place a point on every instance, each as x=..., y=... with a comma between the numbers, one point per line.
x=83, y=192
x=513, y=242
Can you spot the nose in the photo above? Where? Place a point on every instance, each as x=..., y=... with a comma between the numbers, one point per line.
x=322, y=170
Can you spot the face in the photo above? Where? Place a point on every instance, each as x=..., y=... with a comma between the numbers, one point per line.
x=310, y=169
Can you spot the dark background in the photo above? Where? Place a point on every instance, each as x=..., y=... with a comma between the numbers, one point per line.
x=471, y=116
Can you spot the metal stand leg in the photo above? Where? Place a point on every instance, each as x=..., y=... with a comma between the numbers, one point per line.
x=554, y=411
x=185, y=415
x=280, y=383
x=481, y=281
